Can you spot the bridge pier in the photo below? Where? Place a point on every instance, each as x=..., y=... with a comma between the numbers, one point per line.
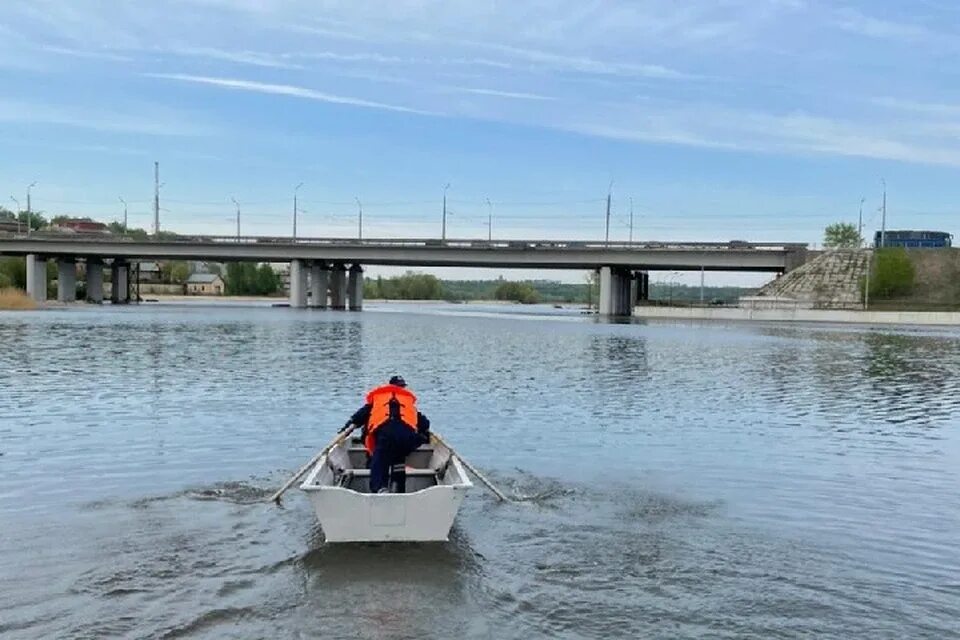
x=615, y=288
x=66, y=280
x=319, y=283
x=338, y=288
x=37, y=277
x=298, y=284
x=355, y=288
x=95, y=280
x=120, y=281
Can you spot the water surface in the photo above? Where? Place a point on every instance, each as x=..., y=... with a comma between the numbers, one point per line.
x=688, y=480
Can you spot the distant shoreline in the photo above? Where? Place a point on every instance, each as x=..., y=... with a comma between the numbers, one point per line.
x=918, y=318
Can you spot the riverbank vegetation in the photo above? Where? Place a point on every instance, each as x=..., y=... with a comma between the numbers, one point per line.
x=915, y=279
x=15, y=299
x=247, y=279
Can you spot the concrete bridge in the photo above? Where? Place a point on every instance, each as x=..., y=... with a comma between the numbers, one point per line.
x=332, y=268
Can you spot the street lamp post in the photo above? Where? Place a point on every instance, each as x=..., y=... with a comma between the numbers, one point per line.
x=18, y=212
x=883, y=220
x=359, y=218
x=489, y=221
x=295, y=189
x=238, y=217
x=443, y=228
x=860, y=224
x=124, y=213
x=29, y=215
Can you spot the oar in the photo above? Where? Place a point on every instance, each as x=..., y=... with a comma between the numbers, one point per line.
x=472, y=469
x=289, y=483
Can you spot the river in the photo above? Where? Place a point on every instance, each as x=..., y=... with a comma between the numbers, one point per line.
x=683, y=480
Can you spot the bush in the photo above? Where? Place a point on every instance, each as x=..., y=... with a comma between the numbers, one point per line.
x=516, y=291
x=892, y=274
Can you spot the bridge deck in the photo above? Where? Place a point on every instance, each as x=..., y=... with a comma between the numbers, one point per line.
x=544, y=254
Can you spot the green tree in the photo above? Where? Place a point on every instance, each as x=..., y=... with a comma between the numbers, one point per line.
x=892, y=274
x=267, y=281
x=177, y=272
x=517, y=292
x=14, y=271
x=842, y=235
x=37, y=221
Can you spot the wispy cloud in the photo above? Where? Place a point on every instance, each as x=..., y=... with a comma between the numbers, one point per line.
x=141, y=120
x=516, y=95
x=861, y=24
x=253, y=58
x=87, y=53
x=286, y=90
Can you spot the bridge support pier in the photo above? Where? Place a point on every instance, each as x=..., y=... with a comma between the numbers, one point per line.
x=319, y=283
x=66, y=280
x=120, y=281
x=355, y=288
x=95, y=280
x=298, y=284
x=338, y=288
x=615, y=292
x=37, y=277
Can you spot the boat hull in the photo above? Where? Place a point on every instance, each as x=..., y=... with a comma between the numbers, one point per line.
x=347, y=515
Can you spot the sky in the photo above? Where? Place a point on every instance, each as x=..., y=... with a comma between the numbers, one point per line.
x=760, y=120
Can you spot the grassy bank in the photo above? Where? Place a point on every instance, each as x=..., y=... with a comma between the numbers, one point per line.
x=16, y=300
x=934, y=284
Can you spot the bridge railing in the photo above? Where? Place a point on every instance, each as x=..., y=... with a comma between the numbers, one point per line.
x=453, y=243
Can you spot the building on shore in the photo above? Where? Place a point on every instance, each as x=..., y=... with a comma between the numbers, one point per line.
x=204, y=284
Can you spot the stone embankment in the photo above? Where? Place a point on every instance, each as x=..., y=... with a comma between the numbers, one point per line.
x=829, y=281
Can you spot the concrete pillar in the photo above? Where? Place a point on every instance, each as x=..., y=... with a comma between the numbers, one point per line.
x=614, y=292
x=319, y=283
x=94, y=280
x=66, y=280
x=634, y=289
x=37, y=277
x=338, y=288
x=298, y=284
x=119, y=281
x=355, y=288
x=605, y=299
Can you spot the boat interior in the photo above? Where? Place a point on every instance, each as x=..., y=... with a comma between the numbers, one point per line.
x=427, y=466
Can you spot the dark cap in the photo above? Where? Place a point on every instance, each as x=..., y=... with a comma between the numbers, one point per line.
x=398, y=381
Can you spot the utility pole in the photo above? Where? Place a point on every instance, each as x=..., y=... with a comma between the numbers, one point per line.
x=156, y=198
x=860, y=224
x=701, y=284
x=443, y=228
x=609, y=194
x=295, y=189
x=631, y=220
x=883, y=219
x=124, y=213
x=489, y=221
x=238, y=217
x=17, y=202
x=359, y=218
x=29, y=210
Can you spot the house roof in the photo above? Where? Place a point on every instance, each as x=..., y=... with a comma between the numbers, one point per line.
x=202, y=278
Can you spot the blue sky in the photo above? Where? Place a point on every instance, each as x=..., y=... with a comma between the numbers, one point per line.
x=752, y=119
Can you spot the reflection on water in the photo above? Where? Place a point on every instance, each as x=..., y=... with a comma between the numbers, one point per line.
x=678, y=480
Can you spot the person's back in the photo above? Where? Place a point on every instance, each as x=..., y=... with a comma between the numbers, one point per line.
x=392, y=429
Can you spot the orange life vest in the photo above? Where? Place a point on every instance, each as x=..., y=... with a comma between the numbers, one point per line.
x=380, y=401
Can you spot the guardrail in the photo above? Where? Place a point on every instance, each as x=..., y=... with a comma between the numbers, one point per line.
x=413, y=242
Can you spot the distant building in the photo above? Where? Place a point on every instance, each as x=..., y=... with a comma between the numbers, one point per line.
x=150, y=273
x=80, y=225
x=204, y=284
x=913, y=239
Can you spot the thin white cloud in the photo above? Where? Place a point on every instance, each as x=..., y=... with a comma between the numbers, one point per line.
x=516, y=95
x=85, y=53
x=286, y=90
x=253, y=58
x=861, y=24
x=155, y=122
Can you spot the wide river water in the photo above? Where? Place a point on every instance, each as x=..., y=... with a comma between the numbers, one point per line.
x=681, y=480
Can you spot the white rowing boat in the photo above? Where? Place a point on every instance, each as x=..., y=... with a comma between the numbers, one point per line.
x=338, y=486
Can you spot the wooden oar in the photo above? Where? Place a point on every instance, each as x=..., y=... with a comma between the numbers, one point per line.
x=472, y=469
x=289, y=483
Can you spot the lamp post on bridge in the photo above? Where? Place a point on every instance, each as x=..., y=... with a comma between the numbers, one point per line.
x=489, y=221
x=18, y=212
x=29, y=210
x=120, y=198
x=238, y=217
x=860, y=224
x=443, y=228
x=295, y=189
x=359, y=218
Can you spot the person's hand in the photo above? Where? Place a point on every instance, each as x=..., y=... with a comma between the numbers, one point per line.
x=345, y=427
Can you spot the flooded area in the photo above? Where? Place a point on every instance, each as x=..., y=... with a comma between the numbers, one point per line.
x=681, y=480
